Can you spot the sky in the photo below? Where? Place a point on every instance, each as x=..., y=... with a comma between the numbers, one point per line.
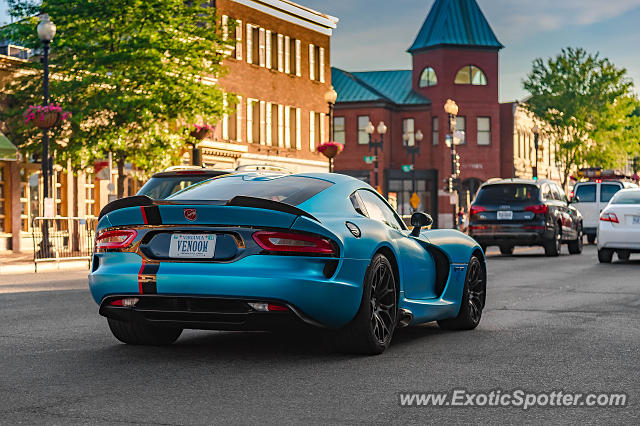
x=375, y=34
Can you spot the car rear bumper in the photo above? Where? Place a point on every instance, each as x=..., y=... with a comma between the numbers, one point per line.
x=516, y=234
x=296, y=281
x=614, y=237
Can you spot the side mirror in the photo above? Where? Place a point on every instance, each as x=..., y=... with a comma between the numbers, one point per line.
x=575, y=199
x=420, y=220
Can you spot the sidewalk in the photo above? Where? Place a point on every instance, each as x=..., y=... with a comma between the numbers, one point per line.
x=22, y=263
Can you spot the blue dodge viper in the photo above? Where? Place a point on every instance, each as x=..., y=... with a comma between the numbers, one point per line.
x=254, y=251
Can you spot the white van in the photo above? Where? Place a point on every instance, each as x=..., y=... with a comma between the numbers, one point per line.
x=591, y=197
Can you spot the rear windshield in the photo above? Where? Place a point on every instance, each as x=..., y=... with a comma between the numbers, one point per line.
x=159, y=188
x=586, y=193
x=291, y=190
x=631, y=197
x=506, y=193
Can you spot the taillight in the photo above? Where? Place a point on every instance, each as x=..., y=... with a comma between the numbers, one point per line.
x=609, y=217
x=117, y=239
x=286, y=242
x=476, y=209
x=537, y=209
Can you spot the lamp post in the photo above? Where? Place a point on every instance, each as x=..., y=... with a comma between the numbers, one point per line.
x=451, y=108
x=46, y=32
x=330, y=98
x=536, y=135
x=376, y=145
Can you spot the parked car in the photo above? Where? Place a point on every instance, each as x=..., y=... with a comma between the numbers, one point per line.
x=518, y=212
x=591, y=197
x=619, y=226
x=250, y=251
x=174, y=179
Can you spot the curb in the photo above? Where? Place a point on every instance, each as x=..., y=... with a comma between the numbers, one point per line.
x=29, y=268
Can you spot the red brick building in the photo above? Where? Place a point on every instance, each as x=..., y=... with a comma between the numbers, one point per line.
x=455, y=56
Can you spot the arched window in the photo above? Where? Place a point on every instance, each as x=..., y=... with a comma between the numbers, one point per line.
x=470, y=74
x=428, y=77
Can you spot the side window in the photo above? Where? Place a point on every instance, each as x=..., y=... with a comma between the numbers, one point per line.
x=558, y=193
x=608, y=190
x=379, y=210
x=357, y=204
x=586, y=193
x=546, y=192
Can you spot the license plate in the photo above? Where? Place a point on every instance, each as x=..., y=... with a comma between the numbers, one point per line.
x=505, y=215
x=636, y=220
x=192, y=246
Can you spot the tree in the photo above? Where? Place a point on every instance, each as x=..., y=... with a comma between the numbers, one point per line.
x=586, y=102
x=135, y=74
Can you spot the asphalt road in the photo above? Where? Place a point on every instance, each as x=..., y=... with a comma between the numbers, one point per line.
x=567, y=323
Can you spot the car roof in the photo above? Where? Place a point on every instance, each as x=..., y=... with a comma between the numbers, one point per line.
x=190, y=172
x=518, y=181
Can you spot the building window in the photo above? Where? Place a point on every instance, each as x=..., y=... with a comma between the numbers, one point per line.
x=363, y=137
x=253, y=121
x=408, y=135
x=262, y=49
x=90, y=195
x=280, y=53
x=312, y=131
x=434, y=130
x=287, y=54
x=250, y=43
x=484, y=131
x=238, y=49
x=312, y=62
x=471, y=74
x=287, y=127
x=461, y=126
x=428, y=77
x=298, y=58
x=298, y=128
x=316, y=63
x=339, y=134
x=268, y=46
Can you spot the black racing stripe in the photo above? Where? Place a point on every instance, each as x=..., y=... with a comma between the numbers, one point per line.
x=153, y=215
x=148, y=278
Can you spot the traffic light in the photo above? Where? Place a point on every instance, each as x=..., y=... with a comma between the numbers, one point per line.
x=450, y=184
x=457, y=163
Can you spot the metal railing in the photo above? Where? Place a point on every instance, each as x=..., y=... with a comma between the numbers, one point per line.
x=58, y=239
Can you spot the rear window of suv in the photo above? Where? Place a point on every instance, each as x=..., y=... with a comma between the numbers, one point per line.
x=505, y=193
x=586, y=193
x=608, y=190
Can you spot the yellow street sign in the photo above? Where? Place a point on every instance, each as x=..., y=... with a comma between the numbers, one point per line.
x=414, y=200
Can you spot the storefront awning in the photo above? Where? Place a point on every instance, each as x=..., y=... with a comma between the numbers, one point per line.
x=8, y=151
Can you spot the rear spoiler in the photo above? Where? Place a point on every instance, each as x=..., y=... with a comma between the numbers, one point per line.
x=238, y=201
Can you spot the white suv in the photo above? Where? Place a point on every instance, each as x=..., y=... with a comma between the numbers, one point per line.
x=619, y=229
x=590, y=198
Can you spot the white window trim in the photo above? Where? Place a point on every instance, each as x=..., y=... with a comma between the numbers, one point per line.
x=287, y=54
x=225, y=27
x=312, y=62
x=268, y=124
x=280, y=53
x=249, y=43
x=298, y=58
x=280, y=125
x=321, y=65
x=312, y=131
x=267, y=44
x=263, y=135
x=287, y=127
x=298, y=128
x=249, y=120
x=261, y=51
x=239, y=29
x=225, y=118
x=239, y=119
x=322, y=128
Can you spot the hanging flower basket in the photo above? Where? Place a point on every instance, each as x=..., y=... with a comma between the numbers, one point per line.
x=200, y=132
x=330, y=149
x=46, y=117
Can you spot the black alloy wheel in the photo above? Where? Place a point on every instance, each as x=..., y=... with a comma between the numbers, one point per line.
x=576, y=246
x=370, y=332
x=473, y=299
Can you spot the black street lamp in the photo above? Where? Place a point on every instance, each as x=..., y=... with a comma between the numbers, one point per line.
x=46, y=32
x=376, y=145
x=536, y=135
x=451, y=108
x=330, y=98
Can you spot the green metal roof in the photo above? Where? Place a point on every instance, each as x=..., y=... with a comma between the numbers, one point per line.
x=455, y=23
x=370, y=86
x=8, y=151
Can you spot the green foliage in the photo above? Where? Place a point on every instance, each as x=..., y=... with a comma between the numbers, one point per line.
x=134, y=73
x=587, y=102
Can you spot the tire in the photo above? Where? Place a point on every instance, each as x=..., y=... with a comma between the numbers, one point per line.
x=371, y=330
x=605, y=255
x=473, y=299
x=591, y=238
x=506, y=250
x=575, y=246
x=624, y=255
x=552, y=247
x=135, y=333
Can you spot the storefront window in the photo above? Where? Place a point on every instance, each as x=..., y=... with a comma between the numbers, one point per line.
x=403, y=191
